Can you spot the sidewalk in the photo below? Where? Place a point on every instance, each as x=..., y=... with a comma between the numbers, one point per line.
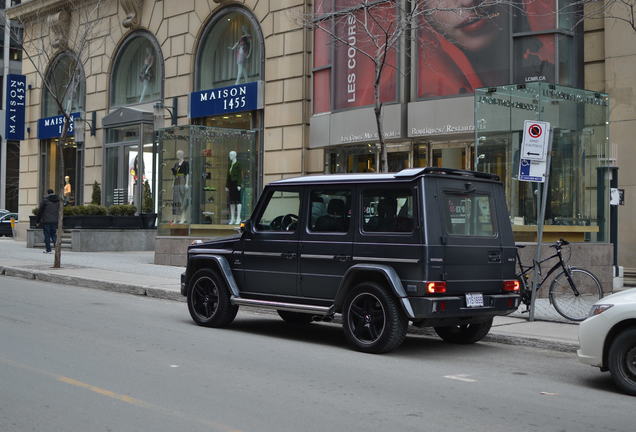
x=135, y=273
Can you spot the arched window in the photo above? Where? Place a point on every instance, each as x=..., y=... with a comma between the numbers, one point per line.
x=230, y=51
x=137, y=73
x=66, y=84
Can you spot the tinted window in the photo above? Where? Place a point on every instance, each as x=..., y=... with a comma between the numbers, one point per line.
x=281, y=212
x=330, y=211
x=387, y=210
x=469, y=215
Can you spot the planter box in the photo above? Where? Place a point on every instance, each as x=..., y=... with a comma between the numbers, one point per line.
x=148, y=220
x=33, y=221
x=126, y=222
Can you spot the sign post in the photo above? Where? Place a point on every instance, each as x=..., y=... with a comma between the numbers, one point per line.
x=534, y=166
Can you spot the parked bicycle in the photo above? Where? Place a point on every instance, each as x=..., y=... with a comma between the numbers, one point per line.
x=572, y=292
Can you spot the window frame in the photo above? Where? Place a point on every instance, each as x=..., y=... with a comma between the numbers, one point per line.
x=263, y=208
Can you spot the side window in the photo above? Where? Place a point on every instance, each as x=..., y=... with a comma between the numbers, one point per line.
x=330, y=211
x=469, y=215
x=388, y=210
x=281, y=212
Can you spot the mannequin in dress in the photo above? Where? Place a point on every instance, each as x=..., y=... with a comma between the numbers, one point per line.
x=145, y=75
x=243, y=48
x=180, y=188
x=68, y=190
x=233, y=187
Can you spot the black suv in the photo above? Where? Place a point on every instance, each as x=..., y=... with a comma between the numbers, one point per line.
x=432, y=246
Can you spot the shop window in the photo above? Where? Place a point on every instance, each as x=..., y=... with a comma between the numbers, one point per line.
x=65, y=84
x=230, y=52
x=207, y=176
x=137, y=73
x=351, y=159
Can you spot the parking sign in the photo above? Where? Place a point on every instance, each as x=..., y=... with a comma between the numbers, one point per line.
x=535, y=140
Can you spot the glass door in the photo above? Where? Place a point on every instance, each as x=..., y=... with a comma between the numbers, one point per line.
x=451, y=155
x=124, y=168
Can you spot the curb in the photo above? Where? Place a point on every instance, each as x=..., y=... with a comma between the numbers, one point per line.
x=159, y=293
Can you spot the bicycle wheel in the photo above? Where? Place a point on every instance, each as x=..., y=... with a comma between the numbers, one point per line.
x=570, y=305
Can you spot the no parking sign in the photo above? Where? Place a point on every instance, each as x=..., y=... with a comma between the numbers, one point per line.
x=535, y=140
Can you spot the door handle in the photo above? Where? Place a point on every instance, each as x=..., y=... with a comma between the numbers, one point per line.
x=288, y=255
x=494, y=257
x=341, y=258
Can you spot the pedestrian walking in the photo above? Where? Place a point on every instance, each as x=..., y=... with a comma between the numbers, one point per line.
x=48, y=217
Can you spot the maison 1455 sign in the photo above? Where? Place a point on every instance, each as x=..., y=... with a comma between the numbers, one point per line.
x=14, y=117
x=236, y=98
x=51, y=127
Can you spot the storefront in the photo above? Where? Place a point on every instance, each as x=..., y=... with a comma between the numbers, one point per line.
x=578, y=192
x=428, y=112
x=210, y=171
x=50, y=129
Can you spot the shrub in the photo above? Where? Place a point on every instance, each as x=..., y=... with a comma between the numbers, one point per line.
x=122, y=210
x=96, y=197
x=91, y=210
x=70, y=211
x=35, y=211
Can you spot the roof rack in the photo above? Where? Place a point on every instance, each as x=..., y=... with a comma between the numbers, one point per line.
x=460, y=172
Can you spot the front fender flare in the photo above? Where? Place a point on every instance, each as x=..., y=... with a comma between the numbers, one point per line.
x=387, y=272
x=220, y=264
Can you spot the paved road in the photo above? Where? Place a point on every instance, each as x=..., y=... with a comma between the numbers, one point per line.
x=74, y=359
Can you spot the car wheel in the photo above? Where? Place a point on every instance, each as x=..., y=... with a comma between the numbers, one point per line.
x=209, y=300
x=622, y=361
x=464, y=333
x=296, y=318
x=372, y=319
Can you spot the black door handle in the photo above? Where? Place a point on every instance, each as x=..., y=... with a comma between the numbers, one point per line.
x=288, y=255
x=341, y=258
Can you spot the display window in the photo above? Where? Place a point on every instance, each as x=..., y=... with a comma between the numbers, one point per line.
x=137, y=73
x=230, y=51
x=208, y=176
x=65, y=83
x=71, y=179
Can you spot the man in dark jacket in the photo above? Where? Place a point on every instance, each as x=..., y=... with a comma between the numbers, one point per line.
x=48, y=217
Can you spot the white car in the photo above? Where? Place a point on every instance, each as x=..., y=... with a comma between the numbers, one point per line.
x=607, y=338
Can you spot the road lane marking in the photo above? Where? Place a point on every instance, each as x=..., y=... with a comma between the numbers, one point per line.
x=120, y=397
x=461, y=377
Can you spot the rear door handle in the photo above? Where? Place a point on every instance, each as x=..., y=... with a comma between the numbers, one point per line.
x=494, y=257
x=341, y=258
x=288, y=255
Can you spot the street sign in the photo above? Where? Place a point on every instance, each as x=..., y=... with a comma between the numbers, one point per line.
x=532, y=171
x=535, y=140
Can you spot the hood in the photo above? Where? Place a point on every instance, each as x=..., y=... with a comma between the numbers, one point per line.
x=52, y=198
x=625, y=296
x=221, y=243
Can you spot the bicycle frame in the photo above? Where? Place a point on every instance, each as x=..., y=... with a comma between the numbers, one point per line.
x=556, y=266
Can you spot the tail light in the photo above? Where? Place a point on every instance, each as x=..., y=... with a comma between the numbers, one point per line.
x=435, y=287
x=511, y=286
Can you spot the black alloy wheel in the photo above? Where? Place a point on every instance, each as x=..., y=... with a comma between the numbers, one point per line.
x=372, y=319
x=622, y=361
x=209, y=300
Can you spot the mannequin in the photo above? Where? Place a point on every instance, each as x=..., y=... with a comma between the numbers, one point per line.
x=243, y=49
x=145, y=75
x=180, y=188
x=233, y=187
x=68, y=190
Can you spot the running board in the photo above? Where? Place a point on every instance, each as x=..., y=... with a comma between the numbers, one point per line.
x=291, y=307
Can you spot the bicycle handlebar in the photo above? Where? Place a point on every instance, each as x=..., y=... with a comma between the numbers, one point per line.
x=561, y=242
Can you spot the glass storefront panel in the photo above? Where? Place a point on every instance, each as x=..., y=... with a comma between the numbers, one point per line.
x=66, y=84
x=230, y=53
x=352, y=159
x=137, y=73
x=579, y=174
x=70, y=182
x=207, y=176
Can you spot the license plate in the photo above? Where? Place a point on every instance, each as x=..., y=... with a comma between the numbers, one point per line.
x=474, y=300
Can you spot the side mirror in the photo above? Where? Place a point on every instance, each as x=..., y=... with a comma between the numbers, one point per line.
x=245, y=226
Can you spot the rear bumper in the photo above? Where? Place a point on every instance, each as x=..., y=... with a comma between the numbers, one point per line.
x=455, y=306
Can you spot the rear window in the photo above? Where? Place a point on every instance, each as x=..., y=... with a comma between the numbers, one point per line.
x=469, y=215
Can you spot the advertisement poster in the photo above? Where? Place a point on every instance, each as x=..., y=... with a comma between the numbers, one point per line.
x=462, y=48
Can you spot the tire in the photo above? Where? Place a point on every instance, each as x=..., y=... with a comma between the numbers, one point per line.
x=622, y=361
x=464, y=334
x=372, y=319
x=571, y=306
x=209, y=300
x=295, y=318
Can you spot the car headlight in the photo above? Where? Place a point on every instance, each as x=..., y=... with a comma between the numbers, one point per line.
x=599, y=309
